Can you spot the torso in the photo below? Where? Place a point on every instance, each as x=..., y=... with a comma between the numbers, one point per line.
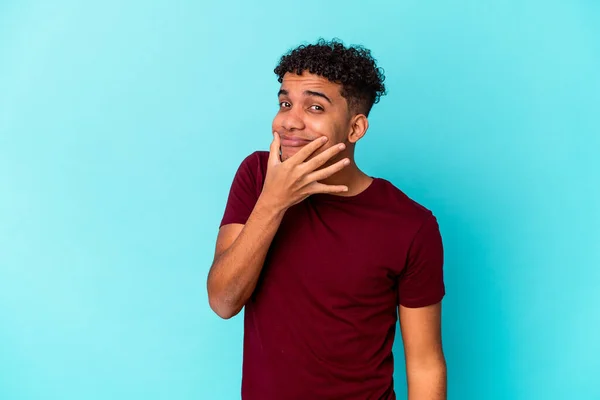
x=321, y=322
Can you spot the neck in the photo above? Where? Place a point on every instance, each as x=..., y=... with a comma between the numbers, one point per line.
x=351, y=176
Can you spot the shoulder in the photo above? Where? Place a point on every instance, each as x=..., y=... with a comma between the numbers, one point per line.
x=398, y=201
x=246, y=188
x=254, y=165
x=401, y=208
x=252, y=171
x=258, y=159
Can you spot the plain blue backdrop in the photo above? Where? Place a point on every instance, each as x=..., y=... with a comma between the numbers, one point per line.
x=122, y=124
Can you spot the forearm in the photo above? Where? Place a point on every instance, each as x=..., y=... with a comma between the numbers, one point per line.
x=234, y=273
x=428, y=383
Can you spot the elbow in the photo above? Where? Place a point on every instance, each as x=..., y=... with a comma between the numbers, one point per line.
x=222, y=308
x=221, y=300
x=223, y=312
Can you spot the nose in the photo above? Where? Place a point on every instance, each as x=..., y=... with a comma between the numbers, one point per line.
x=292, y=121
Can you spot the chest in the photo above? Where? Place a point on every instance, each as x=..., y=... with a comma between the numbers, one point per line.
x=335, y=255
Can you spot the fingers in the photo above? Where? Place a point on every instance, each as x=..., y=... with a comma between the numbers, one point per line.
x=274, y=158
x=307, y=150
x=317, y=187
x=322, y=158
x=325, y=173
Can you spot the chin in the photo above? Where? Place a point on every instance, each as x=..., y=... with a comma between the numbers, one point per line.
x=287, y=152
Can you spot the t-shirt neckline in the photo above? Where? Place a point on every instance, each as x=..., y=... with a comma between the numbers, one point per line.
x=336, y=198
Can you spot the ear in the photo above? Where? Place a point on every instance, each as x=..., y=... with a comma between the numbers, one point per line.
x=358, y=127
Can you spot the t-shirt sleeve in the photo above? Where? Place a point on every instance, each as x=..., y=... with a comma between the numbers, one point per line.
x=422, y=281
x=243, y=193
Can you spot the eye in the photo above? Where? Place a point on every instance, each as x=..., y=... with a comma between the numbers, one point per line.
x=284, y=104
x=317, y=108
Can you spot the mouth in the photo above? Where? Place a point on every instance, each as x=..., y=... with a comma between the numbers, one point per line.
x=293, y=141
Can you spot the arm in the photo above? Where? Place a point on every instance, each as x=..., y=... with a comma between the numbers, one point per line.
x=241, y=249
x=239, y=257
x=425, y=362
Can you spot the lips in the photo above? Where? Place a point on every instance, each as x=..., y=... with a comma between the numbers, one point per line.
x=294, y=141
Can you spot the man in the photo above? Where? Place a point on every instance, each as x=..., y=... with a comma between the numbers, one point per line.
x=324, y=257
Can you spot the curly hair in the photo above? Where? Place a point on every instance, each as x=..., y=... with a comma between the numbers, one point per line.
x=353, y=67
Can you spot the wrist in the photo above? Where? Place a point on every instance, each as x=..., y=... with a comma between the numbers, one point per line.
x=269, y=206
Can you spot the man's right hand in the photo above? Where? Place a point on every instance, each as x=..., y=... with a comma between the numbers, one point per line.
x=241, y=249
x=293, y=180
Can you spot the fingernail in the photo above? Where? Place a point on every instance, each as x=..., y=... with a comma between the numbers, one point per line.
x=342, y=146
x=324, y=139
x=346, y=162
x=345, y=189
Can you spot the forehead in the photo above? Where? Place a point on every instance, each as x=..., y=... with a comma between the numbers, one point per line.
x=307, y=81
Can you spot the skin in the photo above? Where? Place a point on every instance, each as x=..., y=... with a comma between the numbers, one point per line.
x=314, y=137
x=311, y=106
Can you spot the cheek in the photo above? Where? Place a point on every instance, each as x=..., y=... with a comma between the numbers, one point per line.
x=324, y=127
x=318, y=126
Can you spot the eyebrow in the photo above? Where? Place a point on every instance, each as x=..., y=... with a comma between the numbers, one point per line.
x=306, y=93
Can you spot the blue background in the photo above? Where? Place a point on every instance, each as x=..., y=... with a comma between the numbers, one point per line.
x=121, y=126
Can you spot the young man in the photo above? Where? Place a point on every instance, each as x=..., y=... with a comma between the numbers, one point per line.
x=324, y=257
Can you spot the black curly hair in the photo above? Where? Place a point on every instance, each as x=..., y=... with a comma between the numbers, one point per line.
x=353, y=67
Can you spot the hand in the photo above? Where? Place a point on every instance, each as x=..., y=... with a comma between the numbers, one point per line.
x=289, y=182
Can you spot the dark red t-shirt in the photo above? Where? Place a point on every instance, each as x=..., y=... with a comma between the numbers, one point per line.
x=321, y=321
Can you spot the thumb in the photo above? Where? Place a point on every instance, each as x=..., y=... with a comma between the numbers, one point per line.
x=274, y=150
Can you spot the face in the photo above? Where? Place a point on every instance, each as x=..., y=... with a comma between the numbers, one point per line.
x=310, y=106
